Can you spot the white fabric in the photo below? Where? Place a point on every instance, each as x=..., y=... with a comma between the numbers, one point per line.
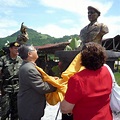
x=115, y=98
x=116, y=117
x=115, y=94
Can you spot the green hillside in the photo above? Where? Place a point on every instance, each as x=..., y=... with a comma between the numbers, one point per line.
x=35, y=38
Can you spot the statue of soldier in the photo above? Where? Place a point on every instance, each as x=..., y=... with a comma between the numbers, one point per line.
x=9, y=66
x=94, y=31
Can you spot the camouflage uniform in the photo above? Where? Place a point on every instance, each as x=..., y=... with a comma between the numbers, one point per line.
x=9, y=86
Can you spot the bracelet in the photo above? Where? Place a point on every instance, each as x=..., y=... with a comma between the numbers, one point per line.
x=69, y=114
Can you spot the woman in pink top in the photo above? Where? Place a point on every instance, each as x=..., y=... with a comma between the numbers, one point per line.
x=88, y=93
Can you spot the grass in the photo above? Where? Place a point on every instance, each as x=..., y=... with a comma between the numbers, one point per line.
x=117, y=77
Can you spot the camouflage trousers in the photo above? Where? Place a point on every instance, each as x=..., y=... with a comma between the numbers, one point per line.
x=13, y=106
x=9, y=108
x=4, y=107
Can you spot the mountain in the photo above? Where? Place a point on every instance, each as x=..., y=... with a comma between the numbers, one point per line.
x=36, y=38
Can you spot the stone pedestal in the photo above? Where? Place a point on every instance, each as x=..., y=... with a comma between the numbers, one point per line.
x=66, y=58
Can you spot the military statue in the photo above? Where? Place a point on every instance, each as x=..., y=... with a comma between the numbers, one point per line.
x=23, y=37
x=94, y=31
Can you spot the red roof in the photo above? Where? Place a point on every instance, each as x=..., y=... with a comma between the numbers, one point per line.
x=52, y=48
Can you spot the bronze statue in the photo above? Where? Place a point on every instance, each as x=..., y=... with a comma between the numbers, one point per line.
x=94, y=31
x=23, y=37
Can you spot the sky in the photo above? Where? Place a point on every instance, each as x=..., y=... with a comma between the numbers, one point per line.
x=57, y=18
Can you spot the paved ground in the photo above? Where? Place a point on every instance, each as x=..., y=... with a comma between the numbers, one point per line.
x=51, y=113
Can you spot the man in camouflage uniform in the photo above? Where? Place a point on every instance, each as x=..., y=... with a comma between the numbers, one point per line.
x=9, y=66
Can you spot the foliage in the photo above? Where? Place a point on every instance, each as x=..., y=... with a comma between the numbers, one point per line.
x=74, y=44
x=4, y=50
x=117, y=77
x=35, y=38
x=56, y=70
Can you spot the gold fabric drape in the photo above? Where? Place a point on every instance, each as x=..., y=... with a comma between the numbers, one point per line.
x=61, y=83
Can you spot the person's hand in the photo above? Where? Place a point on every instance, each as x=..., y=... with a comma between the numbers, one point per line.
x=69, y=114
x=0, y=96
x=56, y=78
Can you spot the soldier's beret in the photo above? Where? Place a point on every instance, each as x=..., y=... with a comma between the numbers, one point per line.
x=95, y=8
x=14, y=44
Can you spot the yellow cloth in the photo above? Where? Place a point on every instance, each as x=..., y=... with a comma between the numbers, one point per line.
x=61, y=83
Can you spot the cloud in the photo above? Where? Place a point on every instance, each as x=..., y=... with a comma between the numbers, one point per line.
x=67, y=21
x=7, y=27
x=57, y=31
x=60, y=31
x=7, y=7
x=6, y=32
x=5, y=23
x=113, y=24
x=11, y=3
x=77, y=6
x=50, y=11
x=71, y=20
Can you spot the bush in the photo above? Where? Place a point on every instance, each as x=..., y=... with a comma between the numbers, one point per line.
x=117, y=77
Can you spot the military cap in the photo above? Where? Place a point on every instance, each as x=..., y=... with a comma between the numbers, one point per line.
x=95, y=8
x=14, y=44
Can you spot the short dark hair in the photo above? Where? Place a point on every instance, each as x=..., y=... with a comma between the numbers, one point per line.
x=23, y=51
x=93, y=56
